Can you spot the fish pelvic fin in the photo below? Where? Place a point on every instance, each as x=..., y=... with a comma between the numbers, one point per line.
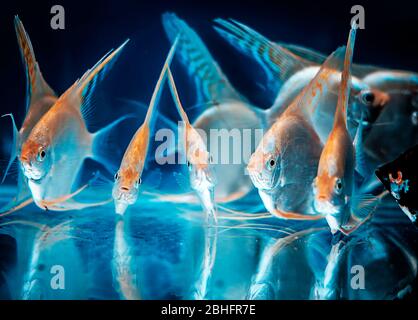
x=211, y=84
x=36, y=86
x=278, y=63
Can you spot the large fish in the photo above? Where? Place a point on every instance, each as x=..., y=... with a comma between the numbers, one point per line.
x=287, y=74
x=222, y=104
x=39, y=99
x=285, y=162
x=128, y=177
x=52, y=155
x=336, y=194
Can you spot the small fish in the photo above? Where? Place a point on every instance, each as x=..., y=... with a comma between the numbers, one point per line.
x=54, y=151
x=39, y=99
x=201, y=175
x=400, y=178
x=334, y=185
x=128, y=177
x=222, y=105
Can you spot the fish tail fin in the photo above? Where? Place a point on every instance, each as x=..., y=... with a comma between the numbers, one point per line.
x=211, y=84
x=13, y=153
x=86, y=85
x=105, y=147
x=36, y=86
x=278, y=63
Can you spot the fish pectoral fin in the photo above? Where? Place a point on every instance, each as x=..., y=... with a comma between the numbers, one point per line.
x=152, y=179
x=182, y=181
x=353, y=224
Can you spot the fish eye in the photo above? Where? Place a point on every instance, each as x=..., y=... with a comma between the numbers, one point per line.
x=188, y=164
x=117, y=176
x=368, y=97
x=139, y=181
x=271, y=163
x=338, y=186
x=41, y=154
x=210, y=159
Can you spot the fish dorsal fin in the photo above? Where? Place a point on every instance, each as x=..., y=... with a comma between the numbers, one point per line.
x=278, y=63
x=85, y=86
x=310, y=97
x=157, y=90
x=176, y=98
x=36, y=86
x=317, y=57
x=211, y=84
x=345, y=86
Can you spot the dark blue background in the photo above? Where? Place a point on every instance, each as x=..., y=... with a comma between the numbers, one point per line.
x=93, y=27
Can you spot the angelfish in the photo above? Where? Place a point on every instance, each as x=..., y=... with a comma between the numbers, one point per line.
x=334, y=186
x=128, y=177
x=54, y=151
x=39, y=99
x=201, y=176
x=285, y=162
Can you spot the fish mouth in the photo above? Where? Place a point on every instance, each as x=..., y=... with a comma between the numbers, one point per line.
x=326, y=207
x=262, y=183
x=123, y=198
x=31, y=173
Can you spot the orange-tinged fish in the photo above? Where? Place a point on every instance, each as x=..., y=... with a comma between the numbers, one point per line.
x=285, y=162
x=128, y=177
x=54, y=151
x=334, y=186
x=39, y=99
x=201, y=176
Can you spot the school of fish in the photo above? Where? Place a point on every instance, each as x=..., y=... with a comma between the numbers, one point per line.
x=330, y=125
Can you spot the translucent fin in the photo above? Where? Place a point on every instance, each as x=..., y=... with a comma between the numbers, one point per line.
x=15, y=145
x=88, y=82
x=103, y=150
x=36, y=86
x=345, y=86
x=182, y=181
x=152, y=179
x=361, y=163
x=278, y=63
x=310, y=97
x=319, y=58
x=211, y=83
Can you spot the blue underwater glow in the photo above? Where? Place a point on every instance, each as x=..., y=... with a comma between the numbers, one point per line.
x=167, y=250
